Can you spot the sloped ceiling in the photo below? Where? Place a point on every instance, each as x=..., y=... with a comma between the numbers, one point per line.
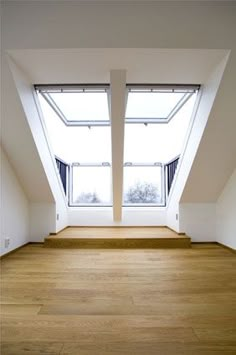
x=19, y=145
x=215, y=160
x=143, y=65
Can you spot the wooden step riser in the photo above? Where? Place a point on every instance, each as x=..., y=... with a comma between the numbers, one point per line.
x=118, y=243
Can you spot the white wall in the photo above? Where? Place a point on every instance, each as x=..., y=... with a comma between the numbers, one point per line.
x=199, y=122
x=19, y=143
x=42, y=221
x=226, y=214
x=198, y=221
x=215, y=160
x=104, y=217
x=14, y=208
x=33, y=115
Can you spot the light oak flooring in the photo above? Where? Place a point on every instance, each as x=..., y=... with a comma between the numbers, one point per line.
x=162, y=301
x=117, y=232
x=118, y=237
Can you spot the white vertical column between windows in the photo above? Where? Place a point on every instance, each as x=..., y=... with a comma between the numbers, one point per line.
x=117, y=114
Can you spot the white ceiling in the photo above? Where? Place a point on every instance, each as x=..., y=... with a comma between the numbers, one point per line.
x=143, y=65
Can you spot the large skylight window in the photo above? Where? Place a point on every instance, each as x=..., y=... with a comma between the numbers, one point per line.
x=155, y=104
x=160, y=120
x=78, y=125
x=84, y=144
x=158, y=142
x=79, y=132
x=75, y=105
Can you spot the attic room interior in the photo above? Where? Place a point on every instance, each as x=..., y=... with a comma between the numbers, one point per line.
x=118, y=177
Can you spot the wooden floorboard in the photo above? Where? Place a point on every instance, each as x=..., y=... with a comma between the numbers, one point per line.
x=117, y=237
x=162, y=301
x=117, y=232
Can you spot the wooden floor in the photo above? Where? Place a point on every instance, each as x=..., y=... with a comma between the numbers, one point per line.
x=118, y=237
x=161, y=301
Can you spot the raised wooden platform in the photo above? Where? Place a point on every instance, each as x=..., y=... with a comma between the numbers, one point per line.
x=117, y=237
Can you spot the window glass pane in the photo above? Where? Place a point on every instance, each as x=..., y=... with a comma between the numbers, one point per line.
x=91, y=185
x=82, y=106
x=151, y=104
x=158, y=142
x=142, y=185
x=76, y=144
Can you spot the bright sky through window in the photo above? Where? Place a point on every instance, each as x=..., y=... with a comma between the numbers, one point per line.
x=91, y=185
x=76, y=144
x=82, y=106
x=158, y=142
x=151, y=104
